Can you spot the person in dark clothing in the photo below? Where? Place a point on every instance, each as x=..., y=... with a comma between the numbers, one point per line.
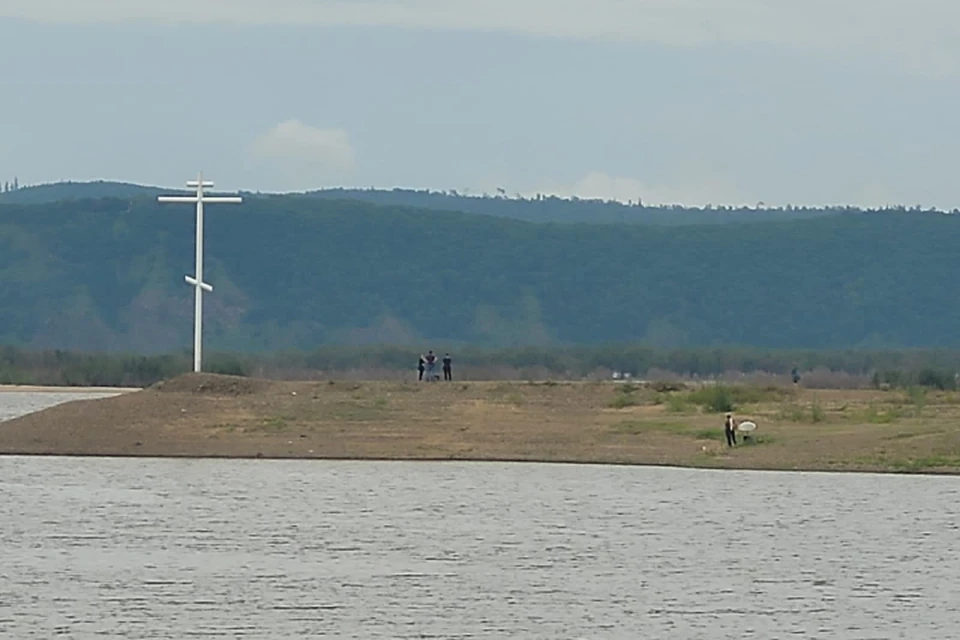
x=421, y=365
x=447, y=367
x=730, y=430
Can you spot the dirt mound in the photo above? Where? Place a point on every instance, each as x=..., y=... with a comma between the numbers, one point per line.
x=212, y=384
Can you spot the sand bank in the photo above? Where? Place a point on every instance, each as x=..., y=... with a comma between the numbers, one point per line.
x=206, y=415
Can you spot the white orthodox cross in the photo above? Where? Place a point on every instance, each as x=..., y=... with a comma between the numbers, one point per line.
x=196, y=281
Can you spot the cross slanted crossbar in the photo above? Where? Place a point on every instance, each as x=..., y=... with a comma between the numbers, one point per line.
x=196, y=281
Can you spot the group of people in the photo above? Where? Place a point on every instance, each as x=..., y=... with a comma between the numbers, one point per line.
x=427, y=365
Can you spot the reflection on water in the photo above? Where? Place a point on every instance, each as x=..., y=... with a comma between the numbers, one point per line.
x=291, y=549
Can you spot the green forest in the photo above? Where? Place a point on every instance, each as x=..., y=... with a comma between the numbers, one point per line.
x=299, y=272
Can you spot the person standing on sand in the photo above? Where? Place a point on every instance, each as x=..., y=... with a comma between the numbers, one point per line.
x=420, y=367
x=730, y=430
x=431, y=364
x=447, y=367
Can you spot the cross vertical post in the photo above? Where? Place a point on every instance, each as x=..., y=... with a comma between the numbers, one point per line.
x=196, y=281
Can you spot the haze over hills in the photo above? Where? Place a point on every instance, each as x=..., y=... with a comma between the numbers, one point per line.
x=299, y=271
x=540, y=208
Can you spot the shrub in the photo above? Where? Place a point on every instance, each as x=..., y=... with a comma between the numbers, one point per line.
x=716, y=399
x=623, y=400
x=625, y=396
x=885, y=379
x=817, y=414
x=917, y=396
x=933, y=378
x=791, y=412
x=677, y=404
x=929, y=378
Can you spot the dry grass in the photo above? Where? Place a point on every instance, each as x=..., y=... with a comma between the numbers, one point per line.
x=204, y=415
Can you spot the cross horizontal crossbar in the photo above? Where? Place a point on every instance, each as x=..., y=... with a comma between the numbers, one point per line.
x=210, y=199
x=203, y=285
x=195, y=184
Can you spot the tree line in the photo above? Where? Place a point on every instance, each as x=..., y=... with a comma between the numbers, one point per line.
x=886, y=368
x=538, y=208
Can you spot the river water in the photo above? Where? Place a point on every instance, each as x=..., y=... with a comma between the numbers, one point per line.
x=17, y=403
x=280, y=549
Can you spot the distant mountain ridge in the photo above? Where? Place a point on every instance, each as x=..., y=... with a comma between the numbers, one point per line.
x=536, y=209
x=54, y=192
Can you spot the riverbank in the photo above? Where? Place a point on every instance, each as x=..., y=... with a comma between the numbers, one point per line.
x=202, y=415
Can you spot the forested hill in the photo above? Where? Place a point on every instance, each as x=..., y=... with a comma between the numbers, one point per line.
x=535, y=209
x=294, y=273
x=54, y=192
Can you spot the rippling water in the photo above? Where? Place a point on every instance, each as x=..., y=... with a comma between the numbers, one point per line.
x=290, y=549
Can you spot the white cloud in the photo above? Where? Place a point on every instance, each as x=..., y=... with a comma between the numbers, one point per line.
x=920, y=34
x=599, y=185
x=293, y=156
x=294, y=141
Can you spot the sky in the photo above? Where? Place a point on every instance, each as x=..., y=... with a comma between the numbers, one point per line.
x=690, y=102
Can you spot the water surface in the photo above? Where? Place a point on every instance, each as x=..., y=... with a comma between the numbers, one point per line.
x=132, y=548
x=18, y=403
